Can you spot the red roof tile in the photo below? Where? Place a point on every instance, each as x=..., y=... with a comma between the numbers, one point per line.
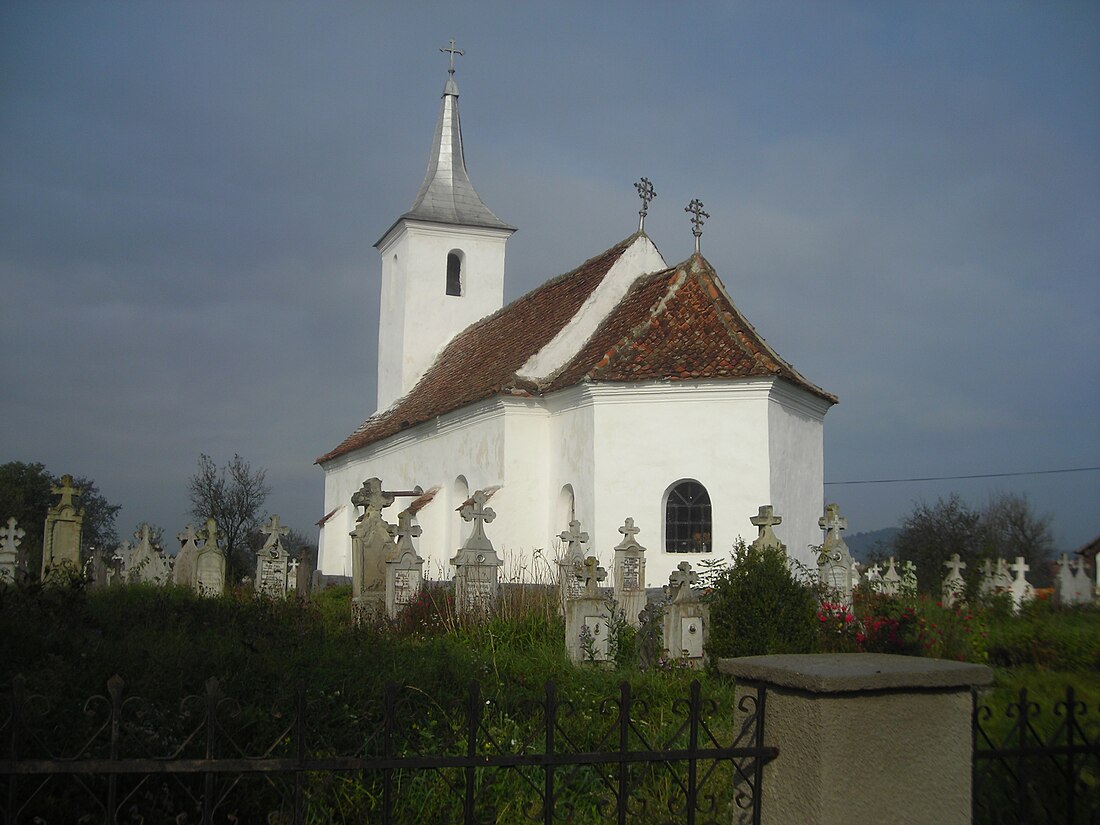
x=677, y=324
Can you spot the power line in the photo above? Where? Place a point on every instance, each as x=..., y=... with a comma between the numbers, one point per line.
x=979, y=475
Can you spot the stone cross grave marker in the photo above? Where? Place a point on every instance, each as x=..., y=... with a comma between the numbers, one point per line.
x=954, y=585
x=183, y=572
x=573, y=557
x=477, y=566
x=404, y=567
x=292, y=574
x=687, y=619
x=909, y=578
x=586, y=616
x=210, y=562
x=271, y=561
x=891, y=581
x=146, y=562
x=835, y=561
x=629, y=568
x=874, y=577
x=64, y=523
x=11, y=537
x=371, y=545
x=1021, y=588
x=764, y=520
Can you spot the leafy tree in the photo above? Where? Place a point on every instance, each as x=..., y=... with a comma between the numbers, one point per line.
x=1007, y=527
x=933, y=532
x=234, y=497
x=1010, y=528
x=26, y=493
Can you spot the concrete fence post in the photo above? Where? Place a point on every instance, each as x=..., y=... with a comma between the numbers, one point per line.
x=864, y=738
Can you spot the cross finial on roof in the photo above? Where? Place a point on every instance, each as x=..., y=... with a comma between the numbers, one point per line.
x=697, y=218
x=647, y=193
x=453, y=51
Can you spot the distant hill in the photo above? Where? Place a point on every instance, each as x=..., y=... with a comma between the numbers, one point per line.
x=862, y=544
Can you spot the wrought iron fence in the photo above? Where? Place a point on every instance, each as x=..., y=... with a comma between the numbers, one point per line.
x=1030, y=773
x=402, y=757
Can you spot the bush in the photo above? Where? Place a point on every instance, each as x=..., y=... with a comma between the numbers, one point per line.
x=1047, y=636
x=758, y=606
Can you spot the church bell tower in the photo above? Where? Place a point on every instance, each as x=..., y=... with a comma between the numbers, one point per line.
x=442, y=261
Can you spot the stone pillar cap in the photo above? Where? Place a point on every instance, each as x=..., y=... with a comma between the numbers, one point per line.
x=855, y=672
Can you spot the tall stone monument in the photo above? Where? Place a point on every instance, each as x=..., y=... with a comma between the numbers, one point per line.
x=687, y=619
x=13, y=566
x=954, y=585
x=271, y=561
x=764, y=520
x=587, y=631
x=64, y=523
x=371, y=545
x=629, y=571
x=404, y=567
x=477, y=566
x=834, y=562
x=183, y=571
x=210, y=562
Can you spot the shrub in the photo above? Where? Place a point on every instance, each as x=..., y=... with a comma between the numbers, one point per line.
x=758, y=606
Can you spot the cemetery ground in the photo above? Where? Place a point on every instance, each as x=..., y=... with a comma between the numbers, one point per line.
x=166, y=642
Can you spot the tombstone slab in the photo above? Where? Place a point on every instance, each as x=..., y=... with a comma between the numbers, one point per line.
x=404, y=567
x=687, y=619
x=64, y=523
x=587, y=617
x=477, y=565
x=629, y=571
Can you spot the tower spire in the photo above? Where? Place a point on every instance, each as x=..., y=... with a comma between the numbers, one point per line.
x=446, y=195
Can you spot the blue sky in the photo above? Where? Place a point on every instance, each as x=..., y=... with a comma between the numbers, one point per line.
x=905, y=201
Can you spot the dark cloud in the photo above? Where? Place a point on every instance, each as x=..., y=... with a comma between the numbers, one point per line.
x=904, y=202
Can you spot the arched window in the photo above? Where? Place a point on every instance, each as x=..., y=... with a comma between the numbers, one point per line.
x=454, y=273
x=687, y=519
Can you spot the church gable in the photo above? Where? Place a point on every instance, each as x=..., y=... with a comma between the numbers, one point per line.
x=678, y=324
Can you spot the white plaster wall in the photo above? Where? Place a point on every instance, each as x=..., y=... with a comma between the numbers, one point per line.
x=795, y=437
x=620, y=447
x=646, y=437
x=417, y=317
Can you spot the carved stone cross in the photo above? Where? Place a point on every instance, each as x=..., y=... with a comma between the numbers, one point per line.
x=1019, y=567
x=697, y=218
x=764, y=520
x=210, y=534
x=628, y=529
x=66, y=491
x=405, y=531
x=292, y=571
x=144, y=534
x=683, y=576
x=833, y=522
x=875, y=572
x=372, y=498
x=647, y=193
x=274, y=532
x=592, y=574
x=475, y=510
x=453, y=51
x=188, y=535
x=10, y=536
x=574, y=538
x=954, y=565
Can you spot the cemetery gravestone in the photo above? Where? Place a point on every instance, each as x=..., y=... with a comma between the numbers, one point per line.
x=909, y=579
x=371, y=545
x=292, y=575
x=954, y=585
x=571, y=561
x=271, y=561
x=835, y=561
x=687, y=619
x=629, y=568
x=874, y=578
x=1021, y=588
x=11, y=536
x=891, y=581
x=146, y=563
x=405, y=567
x=764, y=520
x=210, y=563
x=183, y=571
x=587, y=637
x=477, y=566
x=64, y=523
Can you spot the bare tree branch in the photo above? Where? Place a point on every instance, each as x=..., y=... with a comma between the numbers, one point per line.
x=234, y=497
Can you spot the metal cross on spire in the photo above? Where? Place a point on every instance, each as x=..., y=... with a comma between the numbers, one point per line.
x=453, y=51
x=697, y=218
x=647, y=193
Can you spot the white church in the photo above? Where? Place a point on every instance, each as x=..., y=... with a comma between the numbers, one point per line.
x=623, y=388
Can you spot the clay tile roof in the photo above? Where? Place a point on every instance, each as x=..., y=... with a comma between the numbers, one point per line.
x=483, y=359
x=678, y=324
